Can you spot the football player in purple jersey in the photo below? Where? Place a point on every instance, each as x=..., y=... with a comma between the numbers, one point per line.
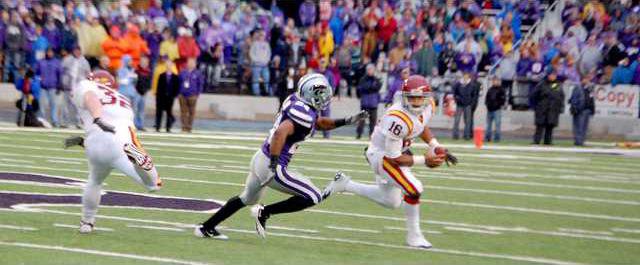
x=297, y=120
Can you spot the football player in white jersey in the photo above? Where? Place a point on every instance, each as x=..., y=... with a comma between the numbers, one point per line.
x=110, y=141
x=389, y=156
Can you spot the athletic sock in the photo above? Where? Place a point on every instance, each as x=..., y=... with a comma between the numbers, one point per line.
x=412, y=212
x=233, y=205
x=90, y=201
x=293, y=204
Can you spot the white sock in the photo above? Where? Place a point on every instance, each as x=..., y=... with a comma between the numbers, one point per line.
x=90, y=202
x=412, y=212
x=373, y=192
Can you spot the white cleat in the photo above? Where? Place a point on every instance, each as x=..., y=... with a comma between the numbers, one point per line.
x=138, y=156
x=85, y=227
x=338, y=184
x=261, y=220
x=199, y=231
x=418, y=241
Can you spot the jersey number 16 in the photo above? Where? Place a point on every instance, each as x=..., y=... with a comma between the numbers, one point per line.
x=395, y=128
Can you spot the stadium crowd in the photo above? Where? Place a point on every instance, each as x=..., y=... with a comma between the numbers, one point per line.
x=178, y=49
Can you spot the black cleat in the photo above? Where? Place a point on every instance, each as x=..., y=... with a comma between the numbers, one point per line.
x=199, y=231
x=73, y=141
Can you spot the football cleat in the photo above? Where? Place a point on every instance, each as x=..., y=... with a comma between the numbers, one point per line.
x=261, y=220
x=73, y=141
x=417, y=241
x=85, y=227
x=199, y=231
x=138, y=157
x=337, y=185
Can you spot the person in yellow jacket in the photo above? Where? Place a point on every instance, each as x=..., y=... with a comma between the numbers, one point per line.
x=325, y=43
x=169, y=46
x=160, y=68
x=90, y=37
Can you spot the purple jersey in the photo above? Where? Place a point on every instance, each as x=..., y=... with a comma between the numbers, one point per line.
x=303, y=117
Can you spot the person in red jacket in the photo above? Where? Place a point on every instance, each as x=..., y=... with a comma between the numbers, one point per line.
x=386, y=27
x=187, y=47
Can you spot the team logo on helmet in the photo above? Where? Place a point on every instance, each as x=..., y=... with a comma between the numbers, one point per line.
x=416, y=93
x=103, y=77
x=315, y=91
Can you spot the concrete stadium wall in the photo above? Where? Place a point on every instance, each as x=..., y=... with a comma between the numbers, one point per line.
x=235, y=107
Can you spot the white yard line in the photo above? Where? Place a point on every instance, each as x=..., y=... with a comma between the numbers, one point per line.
x=60, y=161
x=284, y=228
x=582, y=231
x=106, y=229
x=161, y=228
x=100, y=253
x=352, y=229
x=14, y=227
x=341, y=240
x=471, y=230
x=626, y=230
x=404, y=229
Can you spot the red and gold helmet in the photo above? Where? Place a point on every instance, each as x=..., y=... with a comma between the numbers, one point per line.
x=104, y=78
x=416, y=93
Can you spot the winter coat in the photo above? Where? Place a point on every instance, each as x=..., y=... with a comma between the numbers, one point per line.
x=369, y=92
x=581, y=100
x=495, y=99
x=550, y=103
x=466, y=95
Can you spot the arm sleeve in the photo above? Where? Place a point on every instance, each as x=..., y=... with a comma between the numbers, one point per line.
x=81, y=89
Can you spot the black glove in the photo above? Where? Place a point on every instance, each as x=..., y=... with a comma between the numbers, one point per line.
x=363, y=114
x=449, y=158
x=104, y=126
x=274, y=163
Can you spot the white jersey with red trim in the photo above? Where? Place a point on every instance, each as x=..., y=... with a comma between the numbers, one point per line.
x=398, y=127
x=116, y=108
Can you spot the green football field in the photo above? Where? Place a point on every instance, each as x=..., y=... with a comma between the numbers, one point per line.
x=506, y=204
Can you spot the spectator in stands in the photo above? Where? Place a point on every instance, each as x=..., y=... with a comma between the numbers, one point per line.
x=50, y=71
x=143, y=85
x=191, y=85
x=465, y=93
x=508, y=68
x=91, y=35
x=127, y=79
x=333, y=81
x=623, y=73
x=138, y=46
x=115, y=47
x=530, y=10
x=465, y=60
x=426, y=59
x=187, y=47
x=387, y=25
x=28, y=104
x=212, y=65
x=153, y=37
x=14, y=54
x=276, y=74
x=260, y=56
x=40, y=45
x=613, y=53
x=75, y=68
x=549, y=98
x=403, y=72
x=369, y=93
x=169, y=46
x=397, y=53
x=287, y=86
x=326, y=44
x=369, y=42
x=590, y=56
x=495, y=100
x=582, y=107
x=168, y=89
x=307, y=13
x=344, y=63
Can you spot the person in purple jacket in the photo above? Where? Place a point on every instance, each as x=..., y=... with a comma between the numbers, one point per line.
x=368, y=91
x=307, y=13
x=52, y=33
x=191, y=85
x=297, y=120
x=50, y=71
x=465, y=61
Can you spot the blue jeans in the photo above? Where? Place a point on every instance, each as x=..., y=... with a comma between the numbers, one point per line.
x=137, y=103
x=68, y=110
x=13, y=61
x=256, y=73
x=580, y=126
x=49, y=96
x=493, y=117
x=466, y=112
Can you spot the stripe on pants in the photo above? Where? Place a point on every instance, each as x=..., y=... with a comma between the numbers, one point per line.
x=296, y=185
x=398, y=176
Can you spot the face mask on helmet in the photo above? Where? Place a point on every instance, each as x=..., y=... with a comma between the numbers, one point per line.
x=315, y=91
x=416, y=94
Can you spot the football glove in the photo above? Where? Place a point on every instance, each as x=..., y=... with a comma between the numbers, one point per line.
x=104, y=126
x=274, y=163
x=450, y=158
x=363, y=114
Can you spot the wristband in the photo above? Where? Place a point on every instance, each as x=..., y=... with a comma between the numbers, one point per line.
x=340, y=122
x=434, y=142
x=419, y=160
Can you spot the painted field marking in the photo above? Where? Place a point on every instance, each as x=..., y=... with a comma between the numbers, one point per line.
x=161, y=228
x=14, y=227
x=60, y=161
x=582, y=231
x=471, y=230
x=626, y=230
x=284, y=228
x=106, y=229
x=395, y=228
x=100, y=253
x=352, y=229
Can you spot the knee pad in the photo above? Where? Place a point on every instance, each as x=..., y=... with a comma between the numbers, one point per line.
x=247, y=199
